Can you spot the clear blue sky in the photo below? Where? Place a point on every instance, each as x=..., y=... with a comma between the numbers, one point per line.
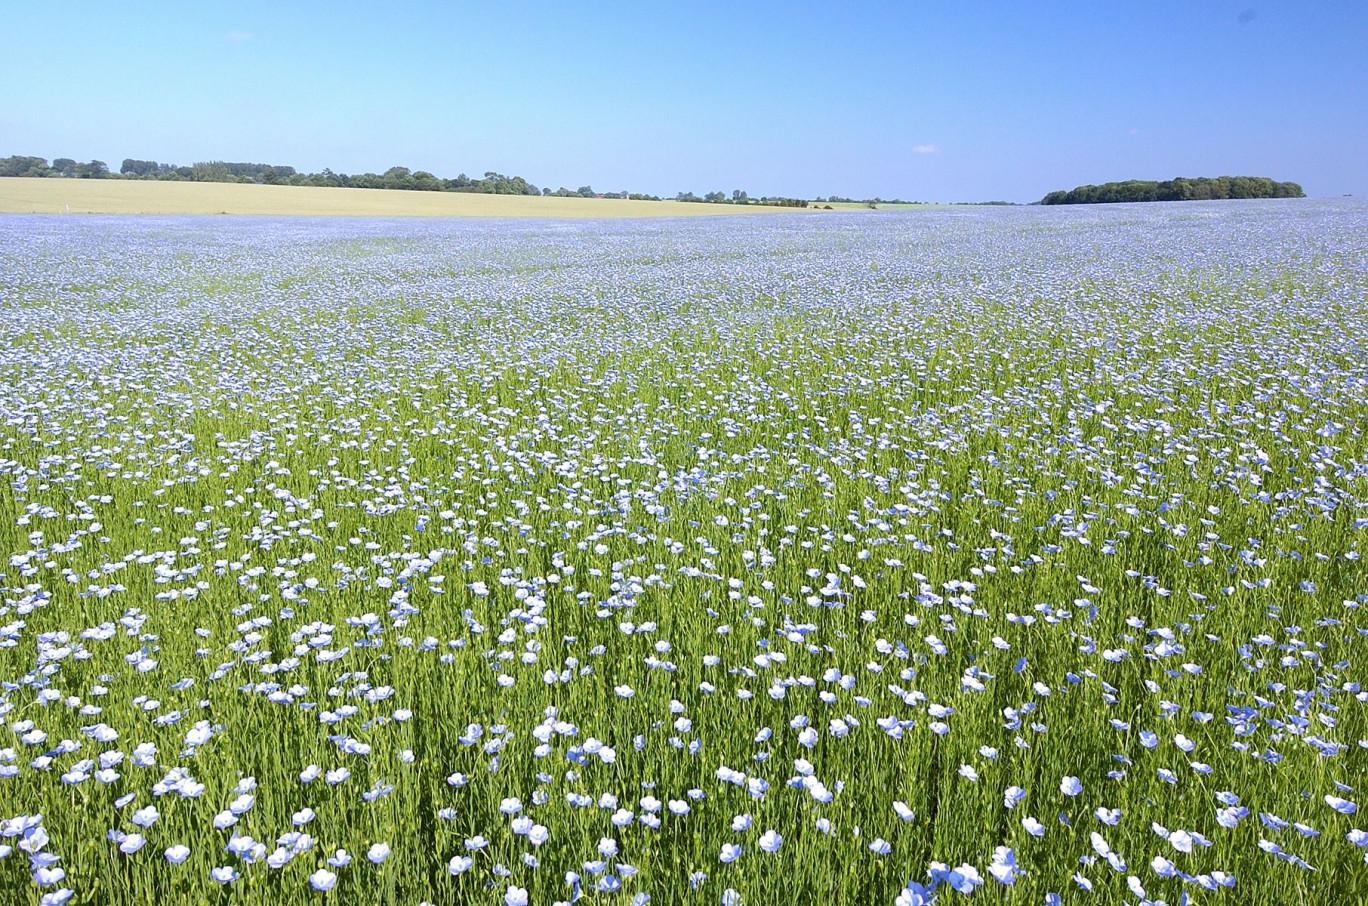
x=935, y=101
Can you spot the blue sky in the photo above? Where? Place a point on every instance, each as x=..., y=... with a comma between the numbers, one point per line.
x=932, y=101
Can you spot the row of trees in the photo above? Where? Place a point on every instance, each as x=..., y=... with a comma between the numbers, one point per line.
x=19, y=165
x=740, y=196
x=588, y=192
x=394, y=178
x=1200, y=189
x=840, y=199
x=267, y=174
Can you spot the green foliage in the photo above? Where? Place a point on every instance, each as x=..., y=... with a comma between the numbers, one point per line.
x=841, y=199
x=1202, y=188
x=739, y=196
x=140, y=168
x=24, y=166
x=95, y=169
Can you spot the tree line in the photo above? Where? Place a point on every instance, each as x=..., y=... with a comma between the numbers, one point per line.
x=1201, y=188
x=266, y=174
x=740, y=196
x=394, y=178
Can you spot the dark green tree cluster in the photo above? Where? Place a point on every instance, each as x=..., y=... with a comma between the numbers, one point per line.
x=740, y=196
x=150, y=169
x=840, y=199
x=1202, y=188
x=19, y=165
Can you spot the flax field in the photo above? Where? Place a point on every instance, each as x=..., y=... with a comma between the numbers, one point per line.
x=955, y=555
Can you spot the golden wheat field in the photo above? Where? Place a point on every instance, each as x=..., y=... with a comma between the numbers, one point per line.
x=114, y=196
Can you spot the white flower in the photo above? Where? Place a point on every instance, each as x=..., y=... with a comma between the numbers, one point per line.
x=1070, y=786
x=1004, y=867
x=378, y=852
x=322, y=880
x=516, y=896
x=44, y=876
x=770, y=841
x=730, y=852
x=198, y=735
x=1343, y=806
x=964, y=879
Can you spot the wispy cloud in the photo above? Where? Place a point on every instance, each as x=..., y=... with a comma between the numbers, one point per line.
x=925, y=149
x=238, y=36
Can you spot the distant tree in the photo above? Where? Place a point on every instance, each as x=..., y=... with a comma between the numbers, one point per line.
x=133, y=167
x=585, y=192
x=23, y=166
x=423, y=181
x=64, y=166
x=397, y=178
x=95, y=169
x=210, y=171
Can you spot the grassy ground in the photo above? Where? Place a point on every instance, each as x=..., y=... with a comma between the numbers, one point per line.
x=114, y=196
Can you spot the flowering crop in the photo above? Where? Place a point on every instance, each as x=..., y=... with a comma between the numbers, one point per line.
x=1000, y=554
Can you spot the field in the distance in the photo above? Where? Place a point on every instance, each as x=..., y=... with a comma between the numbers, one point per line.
x=118, y=196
